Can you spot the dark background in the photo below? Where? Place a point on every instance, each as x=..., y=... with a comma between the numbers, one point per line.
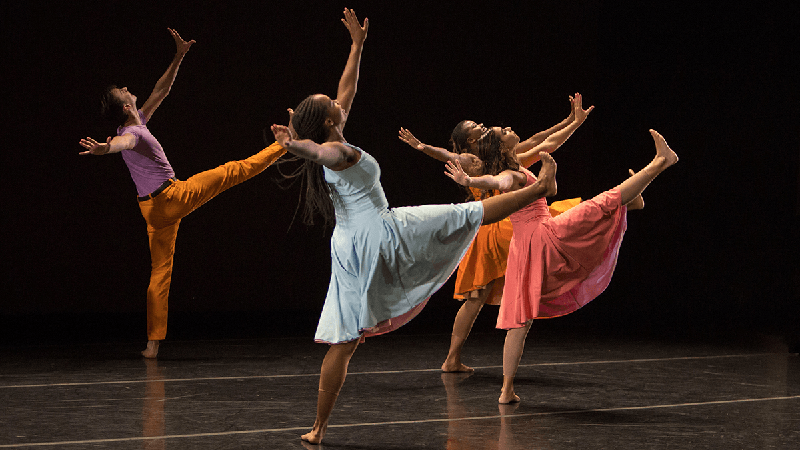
x=714, y=251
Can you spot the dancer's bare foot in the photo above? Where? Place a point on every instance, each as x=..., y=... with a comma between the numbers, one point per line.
x=638, y=202
x=507, y=408
x=547, y=174
x=663, y=150
x=152, y=349
x=315, y=435
x=455, y=367
x=508, y=398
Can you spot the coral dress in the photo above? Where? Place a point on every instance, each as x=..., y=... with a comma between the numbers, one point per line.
x=558, y=264
x=487, y=257
x=386, y=262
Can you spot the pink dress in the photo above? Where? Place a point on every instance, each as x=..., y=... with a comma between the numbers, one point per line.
x=558, y=264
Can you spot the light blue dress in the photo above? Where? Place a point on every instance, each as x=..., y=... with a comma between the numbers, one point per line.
x=386, y=262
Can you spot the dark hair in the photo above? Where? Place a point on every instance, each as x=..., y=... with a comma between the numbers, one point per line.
x=495, y=159
x=459, y=138
x=308, y=122
x=488, y=149
x=111, y=107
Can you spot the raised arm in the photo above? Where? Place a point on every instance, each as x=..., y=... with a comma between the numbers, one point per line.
x=333, y=155
x=112, y=145
x=554, y=141
x=437, y=153
x=470, y=162
x=507, y=180
x=164, y=83
x=348, y=84
x=539, y=137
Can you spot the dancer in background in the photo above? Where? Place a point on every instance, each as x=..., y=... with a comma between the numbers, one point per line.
x=481, y=273
x=163, y=199
x=385, y=262
x=555, y=264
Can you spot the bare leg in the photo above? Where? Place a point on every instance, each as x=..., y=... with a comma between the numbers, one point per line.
x=331, y=379
x=665, y=157
x=638, y=201
x=501, y=206
x=462, y=325
x=151, y=351
x=512, y=353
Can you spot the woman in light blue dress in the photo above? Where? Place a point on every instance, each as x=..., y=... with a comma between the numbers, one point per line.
x=385, y=262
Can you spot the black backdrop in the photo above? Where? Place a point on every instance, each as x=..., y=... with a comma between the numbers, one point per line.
x=715, y=248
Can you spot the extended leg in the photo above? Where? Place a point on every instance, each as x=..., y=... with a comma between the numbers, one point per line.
x=636, y=184
x=512, y=353
x=204, y=186
x=331, y=379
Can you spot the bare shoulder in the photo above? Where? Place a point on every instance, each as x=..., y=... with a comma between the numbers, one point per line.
x=348, y=155
x=518, y=179
x=472, y=165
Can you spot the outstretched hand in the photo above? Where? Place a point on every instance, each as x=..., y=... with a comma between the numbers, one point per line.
x=93, y=147
x=181, y=45
x=409, y=139
x=456, y=173
x=282, y=134
x=577, y=108
x=357, y=32
x=291, y=126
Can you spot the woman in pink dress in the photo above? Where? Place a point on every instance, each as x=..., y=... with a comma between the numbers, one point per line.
x=555, y=264
x=481, y=272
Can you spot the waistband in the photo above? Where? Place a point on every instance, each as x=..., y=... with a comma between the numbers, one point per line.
x=158, y=190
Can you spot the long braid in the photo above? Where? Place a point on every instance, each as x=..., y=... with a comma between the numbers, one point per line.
x=308, y=122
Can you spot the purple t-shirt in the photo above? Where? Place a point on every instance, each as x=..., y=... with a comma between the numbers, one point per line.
x=146, y=161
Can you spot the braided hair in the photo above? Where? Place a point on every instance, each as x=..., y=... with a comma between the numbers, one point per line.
x=308, y=122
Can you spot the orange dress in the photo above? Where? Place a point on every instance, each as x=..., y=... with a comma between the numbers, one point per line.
x=486, y=259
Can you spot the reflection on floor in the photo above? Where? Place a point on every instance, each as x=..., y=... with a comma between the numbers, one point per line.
x=578, y=391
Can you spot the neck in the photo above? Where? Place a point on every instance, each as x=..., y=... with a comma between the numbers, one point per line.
x=133, y=119
x=335, y=135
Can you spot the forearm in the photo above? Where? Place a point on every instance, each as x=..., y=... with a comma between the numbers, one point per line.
x=348, y=83
x=541, y=136
x=438, y=153
x=558, y=137
x=164, y=84
x=490, y=182
x=551, y=144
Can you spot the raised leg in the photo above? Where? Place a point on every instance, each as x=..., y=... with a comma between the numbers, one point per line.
x=636, y=184
x=331, y=379
x=638, y=201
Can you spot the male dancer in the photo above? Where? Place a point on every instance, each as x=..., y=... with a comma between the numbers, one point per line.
x=163, y=199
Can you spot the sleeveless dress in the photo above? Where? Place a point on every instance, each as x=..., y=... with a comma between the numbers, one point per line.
x=386, y=262
x=558, y=264
x=487, y=257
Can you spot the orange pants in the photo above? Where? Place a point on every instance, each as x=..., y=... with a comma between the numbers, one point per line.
x=163, y=215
